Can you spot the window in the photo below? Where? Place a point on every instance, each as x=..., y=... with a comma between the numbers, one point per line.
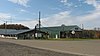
x=76, y=28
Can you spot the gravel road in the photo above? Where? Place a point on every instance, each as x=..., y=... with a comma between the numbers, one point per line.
x=10, y=49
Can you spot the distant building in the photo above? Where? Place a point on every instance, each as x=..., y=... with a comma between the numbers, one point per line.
x=72, y=31
x=21, y=34
x=63, y=31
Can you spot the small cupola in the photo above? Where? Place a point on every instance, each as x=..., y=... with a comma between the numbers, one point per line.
x=63, y=25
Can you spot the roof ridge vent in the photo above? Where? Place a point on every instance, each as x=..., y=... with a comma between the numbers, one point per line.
x=63, y=25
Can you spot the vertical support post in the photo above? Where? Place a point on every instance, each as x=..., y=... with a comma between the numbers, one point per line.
x=5, y=27
x=35, y=32
x=56, y=36
x=39, y=20
x=82, y=27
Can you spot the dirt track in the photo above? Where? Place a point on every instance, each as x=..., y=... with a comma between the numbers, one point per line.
x=10, y=49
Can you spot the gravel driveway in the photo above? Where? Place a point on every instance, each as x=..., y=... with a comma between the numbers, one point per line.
x=10, y=49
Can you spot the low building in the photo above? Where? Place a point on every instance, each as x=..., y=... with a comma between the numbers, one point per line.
x=32, y=34
x=72, y=31
x=21, y=34
x=63, y=31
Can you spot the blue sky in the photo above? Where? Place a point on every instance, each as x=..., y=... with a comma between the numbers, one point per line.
x=53, y=13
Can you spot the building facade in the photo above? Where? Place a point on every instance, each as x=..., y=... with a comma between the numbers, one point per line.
x=22, y=34
x=63, y=31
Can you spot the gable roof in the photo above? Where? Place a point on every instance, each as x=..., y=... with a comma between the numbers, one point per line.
x=33, y=30
x=11, y=31
x=61, y=28
x=15, y=32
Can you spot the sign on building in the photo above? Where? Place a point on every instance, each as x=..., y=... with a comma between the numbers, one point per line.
x=73, y=32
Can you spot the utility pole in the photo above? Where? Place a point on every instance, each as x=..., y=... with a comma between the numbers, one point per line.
x=5, y=27
x=39, y=20
x=82, y=27
x=11, y=20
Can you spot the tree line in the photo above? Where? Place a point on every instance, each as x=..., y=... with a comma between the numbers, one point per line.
x=13, y=26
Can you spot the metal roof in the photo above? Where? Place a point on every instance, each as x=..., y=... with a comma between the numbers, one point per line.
x=57, y=29
x=61, y=28
x=11, y=31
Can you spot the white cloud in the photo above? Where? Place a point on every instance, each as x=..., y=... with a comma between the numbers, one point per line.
x=55, y=8
x=93, y=17
x=65, y=17
x=64, y=2
x=20, y=2
x=90, y=17
x=5, y=16
x=31, y=24
x=90, y=21
x=79, y=0
x=54, y=20
x=57, y=19
x=76, y=6
x=95, y=3
x=23, y=10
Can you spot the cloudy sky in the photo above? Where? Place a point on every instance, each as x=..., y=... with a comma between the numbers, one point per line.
x=53, y=13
